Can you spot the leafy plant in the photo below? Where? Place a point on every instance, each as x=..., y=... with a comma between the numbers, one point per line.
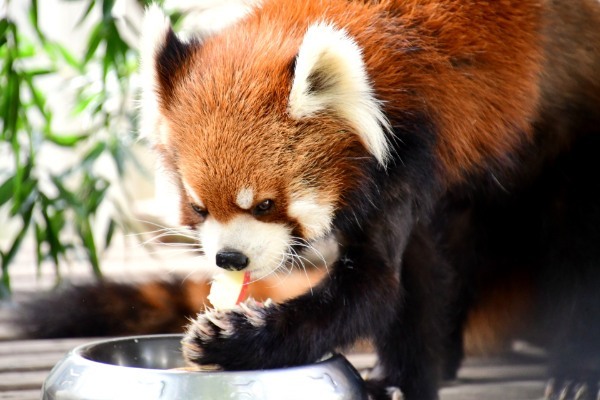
x=61, y=209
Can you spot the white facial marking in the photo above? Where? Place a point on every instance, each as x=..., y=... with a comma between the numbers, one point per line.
x=265, y=244
x=330, y=74
x=314, y=216
x=245, y=198
x=193, y=195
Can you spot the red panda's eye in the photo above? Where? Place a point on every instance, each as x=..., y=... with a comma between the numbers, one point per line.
x=263, y=207
x=199, y=210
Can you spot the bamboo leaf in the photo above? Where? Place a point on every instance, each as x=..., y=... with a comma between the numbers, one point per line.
x=33, y=18
x=87, y=237
x=40, y=72
x=93, y=42
x=51, y=235
x=65, y=140
x=93, y=154
x=96, y=196
x=84, y=102
x=119, y=155
x=107, y=6
x=5, y=281
x=86, y=13
x=69, y=197
x=39, y=241
x=38, y=97
x=4, y=24
x=68, y=57
x=109, y=233
x=24, y=188
x=6, y=190
x=11, y=107
x=26, y=50
x=26, y=219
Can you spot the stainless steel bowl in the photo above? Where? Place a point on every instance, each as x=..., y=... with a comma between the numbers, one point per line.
x=139, y=368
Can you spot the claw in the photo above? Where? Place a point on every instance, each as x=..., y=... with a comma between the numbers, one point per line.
x=565, y=391
x=550, y=389
x=395, y=393
x=221, y=321
x=581, y=391
x=571, y=390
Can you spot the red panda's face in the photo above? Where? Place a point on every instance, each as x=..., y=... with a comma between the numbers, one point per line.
x=247, y=196
x=266, y=137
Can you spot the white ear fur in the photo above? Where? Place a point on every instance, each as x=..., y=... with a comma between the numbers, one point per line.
x=207, y=17
x=331, y=57
x=154, y=33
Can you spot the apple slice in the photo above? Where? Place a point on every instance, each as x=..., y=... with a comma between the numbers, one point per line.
x=228, y=289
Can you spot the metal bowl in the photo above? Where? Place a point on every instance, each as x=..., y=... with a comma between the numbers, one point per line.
x=140, y=368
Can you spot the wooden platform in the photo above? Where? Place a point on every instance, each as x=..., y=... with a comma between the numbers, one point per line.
x=24, y=364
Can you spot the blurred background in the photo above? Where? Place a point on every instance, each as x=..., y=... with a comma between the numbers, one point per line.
x=77, y=186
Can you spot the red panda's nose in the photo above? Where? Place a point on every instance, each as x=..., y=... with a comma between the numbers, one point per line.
x=231, y=260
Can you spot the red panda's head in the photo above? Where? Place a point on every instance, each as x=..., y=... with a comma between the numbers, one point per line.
x=266, y=128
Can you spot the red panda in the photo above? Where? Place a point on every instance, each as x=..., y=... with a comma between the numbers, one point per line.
x=448, y=148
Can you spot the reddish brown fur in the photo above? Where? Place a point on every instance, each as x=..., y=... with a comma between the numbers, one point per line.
x=440, y=53
x=501, y=314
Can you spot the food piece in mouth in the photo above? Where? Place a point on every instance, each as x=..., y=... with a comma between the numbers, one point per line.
x=228, y=289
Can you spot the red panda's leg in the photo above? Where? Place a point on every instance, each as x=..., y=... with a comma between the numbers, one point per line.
x=414, y=348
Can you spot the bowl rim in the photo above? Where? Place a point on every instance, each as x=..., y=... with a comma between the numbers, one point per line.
x=78, y=351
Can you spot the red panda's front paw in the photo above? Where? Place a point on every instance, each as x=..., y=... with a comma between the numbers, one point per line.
x=229, y=338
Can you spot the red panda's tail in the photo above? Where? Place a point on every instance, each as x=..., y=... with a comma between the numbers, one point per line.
x=113, y=308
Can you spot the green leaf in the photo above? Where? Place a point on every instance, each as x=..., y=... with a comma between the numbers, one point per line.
x=26, y=219
x=84, y=102
x=93, y=154
x=28, y=191
x=40, y=72
x=96, y=195
x=69, y=58
x=53, y=225
x=5, y=281
x=38, y=97
x=24, y=188
x=87, y=237
x=69, y=197
x=26, y=50
x=107, y=6
x=33, y=17
x=109, y=233
x=93, y=42
x=119, y=155
x=66, y=140
x=4, y=24
x=10, y=110
x=40, y=234
x=7, y=190
x=86, y=13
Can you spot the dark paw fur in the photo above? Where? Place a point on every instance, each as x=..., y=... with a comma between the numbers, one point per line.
x=229, y=338
x=562, y=389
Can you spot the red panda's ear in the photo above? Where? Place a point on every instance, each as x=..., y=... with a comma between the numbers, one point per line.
x=330, y=75
x=204, y=18
x=163, y=56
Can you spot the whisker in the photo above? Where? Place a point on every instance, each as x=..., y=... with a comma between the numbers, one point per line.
x=300, y=259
